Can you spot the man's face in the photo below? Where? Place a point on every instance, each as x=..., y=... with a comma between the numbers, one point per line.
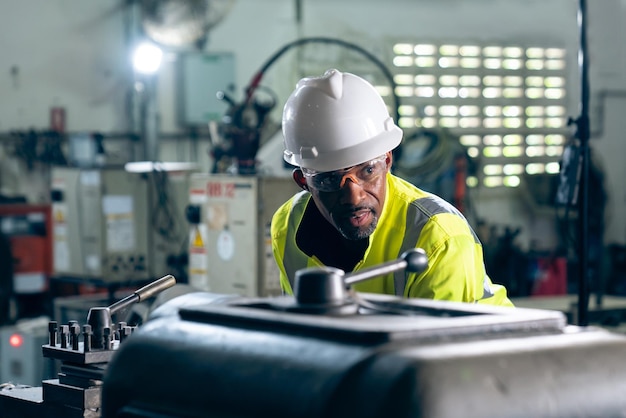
x=355, y=206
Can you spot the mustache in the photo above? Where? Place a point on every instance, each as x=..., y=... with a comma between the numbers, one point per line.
x=349, y=210
x=343, y=225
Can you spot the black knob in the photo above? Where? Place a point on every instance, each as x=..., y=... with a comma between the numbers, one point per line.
x=416, y=260
x=74, y=332
x=56, y=195
x=52, y=333
x=87, y=333
x=64, y=331
x=320, y=285
x=192, y=213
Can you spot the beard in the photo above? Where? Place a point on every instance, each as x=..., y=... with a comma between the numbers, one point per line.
x=354, y=233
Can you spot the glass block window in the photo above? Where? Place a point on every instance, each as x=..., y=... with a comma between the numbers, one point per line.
x=506, y=103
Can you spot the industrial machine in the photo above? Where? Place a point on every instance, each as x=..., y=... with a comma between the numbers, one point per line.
x=230, y=216
x=329, y=352
x=21, y=361
x=83, y=353
x=28, y=230
x=119, y=224
x=100, y=229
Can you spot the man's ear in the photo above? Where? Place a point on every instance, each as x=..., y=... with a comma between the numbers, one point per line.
x=389, y=160
x=298, y=177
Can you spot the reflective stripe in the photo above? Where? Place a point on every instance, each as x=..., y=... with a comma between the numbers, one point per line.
x=295, y=259
x=432, y=206
x=487, y=293
x=419, y=212
x=415, y=221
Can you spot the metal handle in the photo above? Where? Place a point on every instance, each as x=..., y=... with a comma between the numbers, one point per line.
x=413, y=260
x=327, y=285
x=144, y=293
x=99, y=318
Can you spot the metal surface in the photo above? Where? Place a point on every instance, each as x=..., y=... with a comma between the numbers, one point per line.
x=84, y=353
x=203, y=354
x=252, y=357
x=386, y=356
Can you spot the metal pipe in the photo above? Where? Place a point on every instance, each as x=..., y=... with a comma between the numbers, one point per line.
x=582, y=133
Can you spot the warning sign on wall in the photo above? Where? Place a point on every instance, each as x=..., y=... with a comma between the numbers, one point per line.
x=198, y=262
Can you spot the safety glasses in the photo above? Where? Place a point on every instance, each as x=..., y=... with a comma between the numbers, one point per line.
x=332, y=181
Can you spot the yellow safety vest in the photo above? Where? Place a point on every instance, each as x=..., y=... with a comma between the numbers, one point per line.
x=410, y=218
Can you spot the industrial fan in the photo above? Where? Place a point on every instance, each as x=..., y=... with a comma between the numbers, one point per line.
x=180, y=23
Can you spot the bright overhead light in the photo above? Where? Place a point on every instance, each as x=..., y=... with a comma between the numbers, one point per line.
x=147, y=58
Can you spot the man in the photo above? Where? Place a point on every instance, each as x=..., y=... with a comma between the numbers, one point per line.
x=353, y=213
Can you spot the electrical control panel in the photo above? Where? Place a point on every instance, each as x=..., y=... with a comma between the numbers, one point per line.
x=229, y=247
x=28, y=229
x=100, y=224
x=117, y=225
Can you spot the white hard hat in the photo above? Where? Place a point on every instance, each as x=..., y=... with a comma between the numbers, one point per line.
x=336, y=121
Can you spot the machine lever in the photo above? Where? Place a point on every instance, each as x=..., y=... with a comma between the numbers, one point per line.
x=413, y=260
x=328, y=285
x=99, y=318
x=144, y=293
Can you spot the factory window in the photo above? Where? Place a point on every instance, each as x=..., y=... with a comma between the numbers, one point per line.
x=506, y=103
